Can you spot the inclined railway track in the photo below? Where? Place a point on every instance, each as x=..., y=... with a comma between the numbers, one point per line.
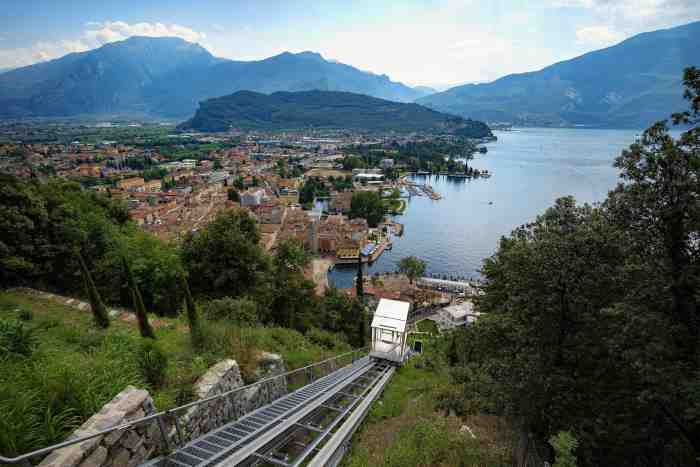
x=313, y=422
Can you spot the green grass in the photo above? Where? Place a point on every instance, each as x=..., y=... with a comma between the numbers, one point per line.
x=428, y=326
x=405, y=429
x=77, y=368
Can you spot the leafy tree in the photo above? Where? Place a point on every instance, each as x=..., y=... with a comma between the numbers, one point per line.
x=589, y=314
x=351, y=162
x=291, y=256
x=313, y=187
x=293, y=297
x=367, y=205
x=412, y=267
x=564, y=444
x=233, y=196
x=340, y=313
x=224, y=258
x=139, y=308
x=99, y=311
x=41, y=225
x=155, y=266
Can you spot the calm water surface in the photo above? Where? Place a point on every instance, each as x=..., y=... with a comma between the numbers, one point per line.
x=531, y=168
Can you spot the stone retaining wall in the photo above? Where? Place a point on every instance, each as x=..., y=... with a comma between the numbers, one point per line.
x=132, y=447
x=119, y=448
x=226, y=376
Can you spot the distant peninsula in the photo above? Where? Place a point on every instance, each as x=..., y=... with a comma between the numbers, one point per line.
x=247, y=110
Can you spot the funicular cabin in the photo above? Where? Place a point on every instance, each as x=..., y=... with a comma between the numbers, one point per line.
x=389, y=334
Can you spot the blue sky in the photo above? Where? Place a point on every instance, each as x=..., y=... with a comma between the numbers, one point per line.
x=436, y=43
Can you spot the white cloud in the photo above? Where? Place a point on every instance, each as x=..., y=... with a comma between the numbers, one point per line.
x=110, y=31
x=598, y=36
x=95, y=35
x=624, y=18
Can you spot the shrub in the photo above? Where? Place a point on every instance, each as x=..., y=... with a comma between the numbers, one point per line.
x=185, y=394
x=241, y=311
x=25, y=315
x=153, y=362
x=325, y=339
x=564, y=444
x=16, y=339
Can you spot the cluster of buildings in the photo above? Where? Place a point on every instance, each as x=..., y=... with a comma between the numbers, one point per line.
x=170, y=193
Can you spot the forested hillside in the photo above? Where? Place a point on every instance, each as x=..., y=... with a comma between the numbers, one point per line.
x=324, y=109
x=590, y=324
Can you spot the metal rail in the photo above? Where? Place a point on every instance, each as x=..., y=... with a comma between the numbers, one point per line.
x=333, y=451
x=237, y=440
x=292, y=446
x=163, y=418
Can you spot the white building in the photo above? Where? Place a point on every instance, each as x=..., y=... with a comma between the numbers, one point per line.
x=387, y=163
x=389, y=335
x=368, y=178
x=252, y=197
x=188, y=163
x=461, y=314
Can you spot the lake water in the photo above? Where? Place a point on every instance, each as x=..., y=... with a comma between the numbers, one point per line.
x=531, y=168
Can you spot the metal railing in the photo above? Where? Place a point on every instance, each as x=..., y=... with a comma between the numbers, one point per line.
x=165, y=419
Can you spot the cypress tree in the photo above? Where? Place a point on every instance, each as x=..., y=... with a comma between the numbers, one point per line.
x=362, y=326
x=359, y=285
x=139, y=308
x=359, y=289
x=192, y=315
x=99, y=311
x=452, y=356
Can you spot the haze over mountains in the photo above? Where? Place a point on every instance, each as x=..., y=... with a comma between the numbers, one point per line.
x=169, y=77
x=631, y=84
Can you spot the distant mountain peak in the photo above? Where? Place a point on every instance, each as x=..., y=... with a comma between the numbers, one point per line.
x=631, y=84
x=168, y=76
x=307, y=54
x=310, y=54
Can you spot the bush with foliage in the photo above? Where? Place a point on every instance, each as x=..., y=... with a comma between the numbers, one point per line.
x=16, y=339
x=241, y=311
x=325, y=339
x=153, y=363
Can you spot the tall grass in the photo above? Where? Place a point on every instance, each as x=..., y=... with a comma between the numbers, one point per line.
x=75, y=368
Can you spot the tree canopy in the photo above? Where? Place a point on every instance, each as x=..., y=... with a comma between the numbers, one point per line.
x=224, y=258
x=412, y=267
x=367, y=205
x=589, y=318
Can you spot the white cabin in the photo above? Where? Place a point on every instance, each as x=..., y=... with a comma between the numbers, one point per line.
x=389, y=334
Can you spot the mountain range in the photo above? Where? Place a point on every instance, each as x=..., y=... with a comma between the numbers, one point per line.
x=247, y=110
x=168, y=77
x=631, y=84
